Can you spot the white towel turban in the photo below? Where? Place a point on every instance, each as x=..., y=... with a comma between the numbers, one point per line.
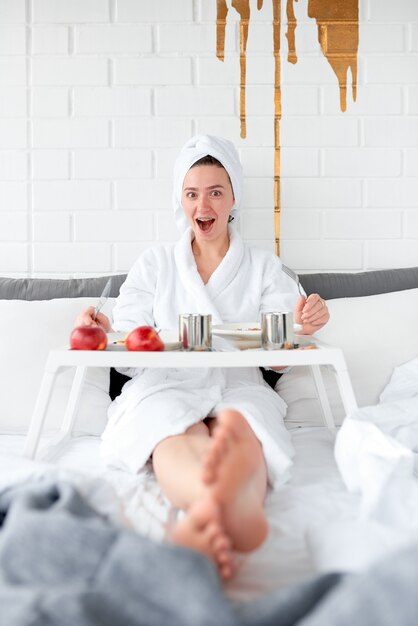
x=193, y=150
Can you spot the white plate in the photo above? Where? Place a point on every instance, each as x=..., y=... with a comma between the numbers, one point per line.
x=114, y=337
x=244, y=330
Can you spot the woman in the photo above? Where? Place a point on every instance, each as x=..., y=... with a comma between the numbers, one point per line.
x=214, y=435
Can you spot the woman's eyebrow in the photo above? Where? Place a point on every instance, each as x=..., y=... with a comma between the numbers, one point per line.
x=210, y=187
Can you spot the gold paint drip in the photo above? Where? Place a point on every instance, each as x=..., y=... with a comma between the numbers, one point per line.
x=222, y=12
x=243, y=8
x=290, y=34
x=338, y=26
x=277, y=11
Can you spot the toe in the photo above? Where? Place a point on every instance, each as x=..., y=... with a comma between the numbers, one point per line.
x=208, y=475
x=213, y=530
x=222, y=543
x=203, y=512
x=226, y=571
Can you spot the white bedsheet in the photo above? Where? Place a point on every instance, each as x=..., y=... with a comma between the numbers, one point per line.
x=314, y=495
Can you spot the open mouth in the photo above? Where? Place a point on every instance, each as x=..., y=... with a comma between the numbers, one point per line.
x=205, y=223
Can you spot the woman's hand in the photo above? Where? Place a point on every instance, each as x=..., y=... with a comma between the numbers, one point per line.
x=312, y=312
x=86, y=318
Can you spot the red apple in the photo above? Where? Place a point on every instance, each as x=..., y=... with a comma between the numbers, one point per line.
x=88, y=338
x=144, y=338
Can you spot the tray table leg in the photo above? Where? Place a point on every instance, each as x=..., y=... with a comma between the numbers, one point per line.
x=346, y=390
x=323, y=397
x=39, y=413
x=55, y=444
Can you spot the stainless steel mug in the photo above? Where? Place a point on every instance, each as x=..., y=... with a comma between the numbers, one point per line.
x=195, y=331
x=277, y=330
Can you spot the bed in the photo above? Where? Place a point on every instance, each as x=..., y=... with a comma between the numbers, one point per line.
x=319, y=521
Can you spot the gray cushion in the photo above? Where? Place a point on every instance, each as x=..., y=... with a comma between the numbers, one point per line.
x=47, y=289
x=350, y=285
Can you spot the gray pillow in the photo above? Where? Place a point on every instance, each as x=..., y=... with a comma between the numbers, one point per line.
x=352, y=285
x=47, y=289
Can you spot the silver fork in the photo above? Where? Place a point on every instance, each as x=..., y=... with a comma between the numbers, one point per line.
x=294, y=277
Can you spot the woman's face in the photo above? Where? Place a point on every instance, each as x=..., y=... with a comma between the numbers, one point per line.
x=207, y=200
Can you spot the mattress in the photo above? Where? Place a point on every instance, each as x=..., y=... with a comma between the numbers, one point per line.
x=299, y=510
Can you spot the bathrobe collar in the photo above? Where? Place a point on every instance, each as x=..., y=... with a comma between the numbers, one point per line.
x=204, y=295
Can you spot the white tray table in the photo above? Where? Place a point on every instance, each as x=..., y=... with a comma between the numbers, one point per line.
x=82, y=359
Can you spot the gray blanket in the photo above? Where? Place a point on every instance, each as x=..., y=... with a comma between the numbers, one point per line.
x=62, y=563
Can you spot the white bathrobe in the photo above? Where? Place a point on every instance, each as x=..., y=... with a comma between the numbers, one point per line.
x=157, y=403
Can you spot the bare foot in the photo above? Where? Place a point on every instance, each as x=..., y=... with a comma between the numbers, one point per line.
x=201, y=530
x=234, y=470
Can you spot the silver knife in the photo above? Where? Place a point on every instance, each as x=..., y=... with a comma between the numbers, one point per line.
x=104, y=296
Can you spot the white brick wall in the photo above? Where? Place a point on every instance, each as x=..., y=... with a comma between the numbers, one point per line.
x=72, y=257
x=12, y=102
x=12, y=39
x=13, y=133
x=52, y=227
x=123, y=39
x=93, y=226
x=49, y=40
x=108, y=164
x=96, y=97
x=12, y=11
x=75, y=11
x=14, y=258
x=71, y=195
x=50, y=164
x=71, y=133
x=49, y=102
x=13, y=197
x=14, y=226
x=69, y=71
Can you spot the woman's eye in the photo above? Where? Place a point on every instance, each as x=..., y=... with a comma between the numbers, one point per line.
x=216, y=193
x=190, y=195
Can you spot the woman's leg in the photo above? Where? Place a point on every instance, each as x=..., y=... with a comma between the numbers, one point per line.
x=177, y=463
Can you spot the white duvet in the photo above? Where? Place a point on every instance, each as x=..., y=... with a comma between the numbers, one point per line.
x=376, y=453
x=376, y=450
